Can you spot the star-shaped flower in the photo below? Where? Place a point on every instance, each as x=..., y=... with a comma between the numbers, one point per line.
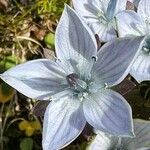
x=104, y=141
x=100, y=15
x=78, y=83
x=131, y=23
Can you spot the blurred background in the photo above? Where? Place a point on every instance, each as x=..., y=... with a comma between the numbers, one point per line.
x=27, y=30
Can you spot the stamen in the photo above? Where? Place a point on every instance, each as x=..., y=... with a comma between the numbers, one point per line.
x=82, y=96
x=106, y=85
x=81, y=84
x=50, y=98
x=101, y=17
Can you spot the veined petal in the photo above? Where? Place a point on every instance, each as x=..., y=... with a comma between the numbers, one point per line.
x=108, y=34
x=115, y=59
x=114, y=7
x=129, y=24
x=144, y=10
x=142, y=132
x=111, y=9
x=120, y=6
x=63, y=122
x=142, y=136
x=141, y=68
x=103, y=141
x=88, y=8
x=105, y=32
x=38, y=79
x=109, y=112
x=94, y=13
x=75, y=42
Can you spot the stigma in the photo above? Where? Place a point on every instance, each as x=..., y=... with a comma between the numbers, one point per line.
x=75, y=83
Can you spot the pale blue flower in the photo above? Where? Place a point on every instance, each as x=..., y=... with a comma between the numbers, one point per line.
x=100, y=15
x=141, y=141
x=78, y=83
x=131, y=23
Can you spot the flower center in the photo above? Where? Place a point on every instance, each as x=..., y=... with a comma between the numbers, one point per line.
x=105, y=20
x=101, y=17
x=79, y=86
x=75, y=83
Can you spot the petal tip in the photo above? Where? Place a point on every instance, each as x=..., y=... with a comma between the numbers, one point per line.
x=132, y=134
x=66, y=6
x=129, y=134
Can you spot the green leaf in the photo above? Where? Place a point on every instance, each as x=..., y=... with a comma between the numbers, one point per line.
x=6, y=89
x=8, y=62
x=49, y=40
x=12, y=132
x=83, y=146
x=26, y=144
x=6, y=92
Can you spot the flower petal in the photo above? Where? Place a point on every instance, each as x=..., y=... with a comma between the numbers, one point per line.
x=141, y=68
x=89, y=9
x=38, y=79
x=142, y=133
x=94, y=13
x=75, y=42
x=114, y=7
x=115, y=59
x=103, y=141
x=109, y=112
x=144, y=10
x=120, y=6
x=105, y=32
x=63, y=122
x=129, y=24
